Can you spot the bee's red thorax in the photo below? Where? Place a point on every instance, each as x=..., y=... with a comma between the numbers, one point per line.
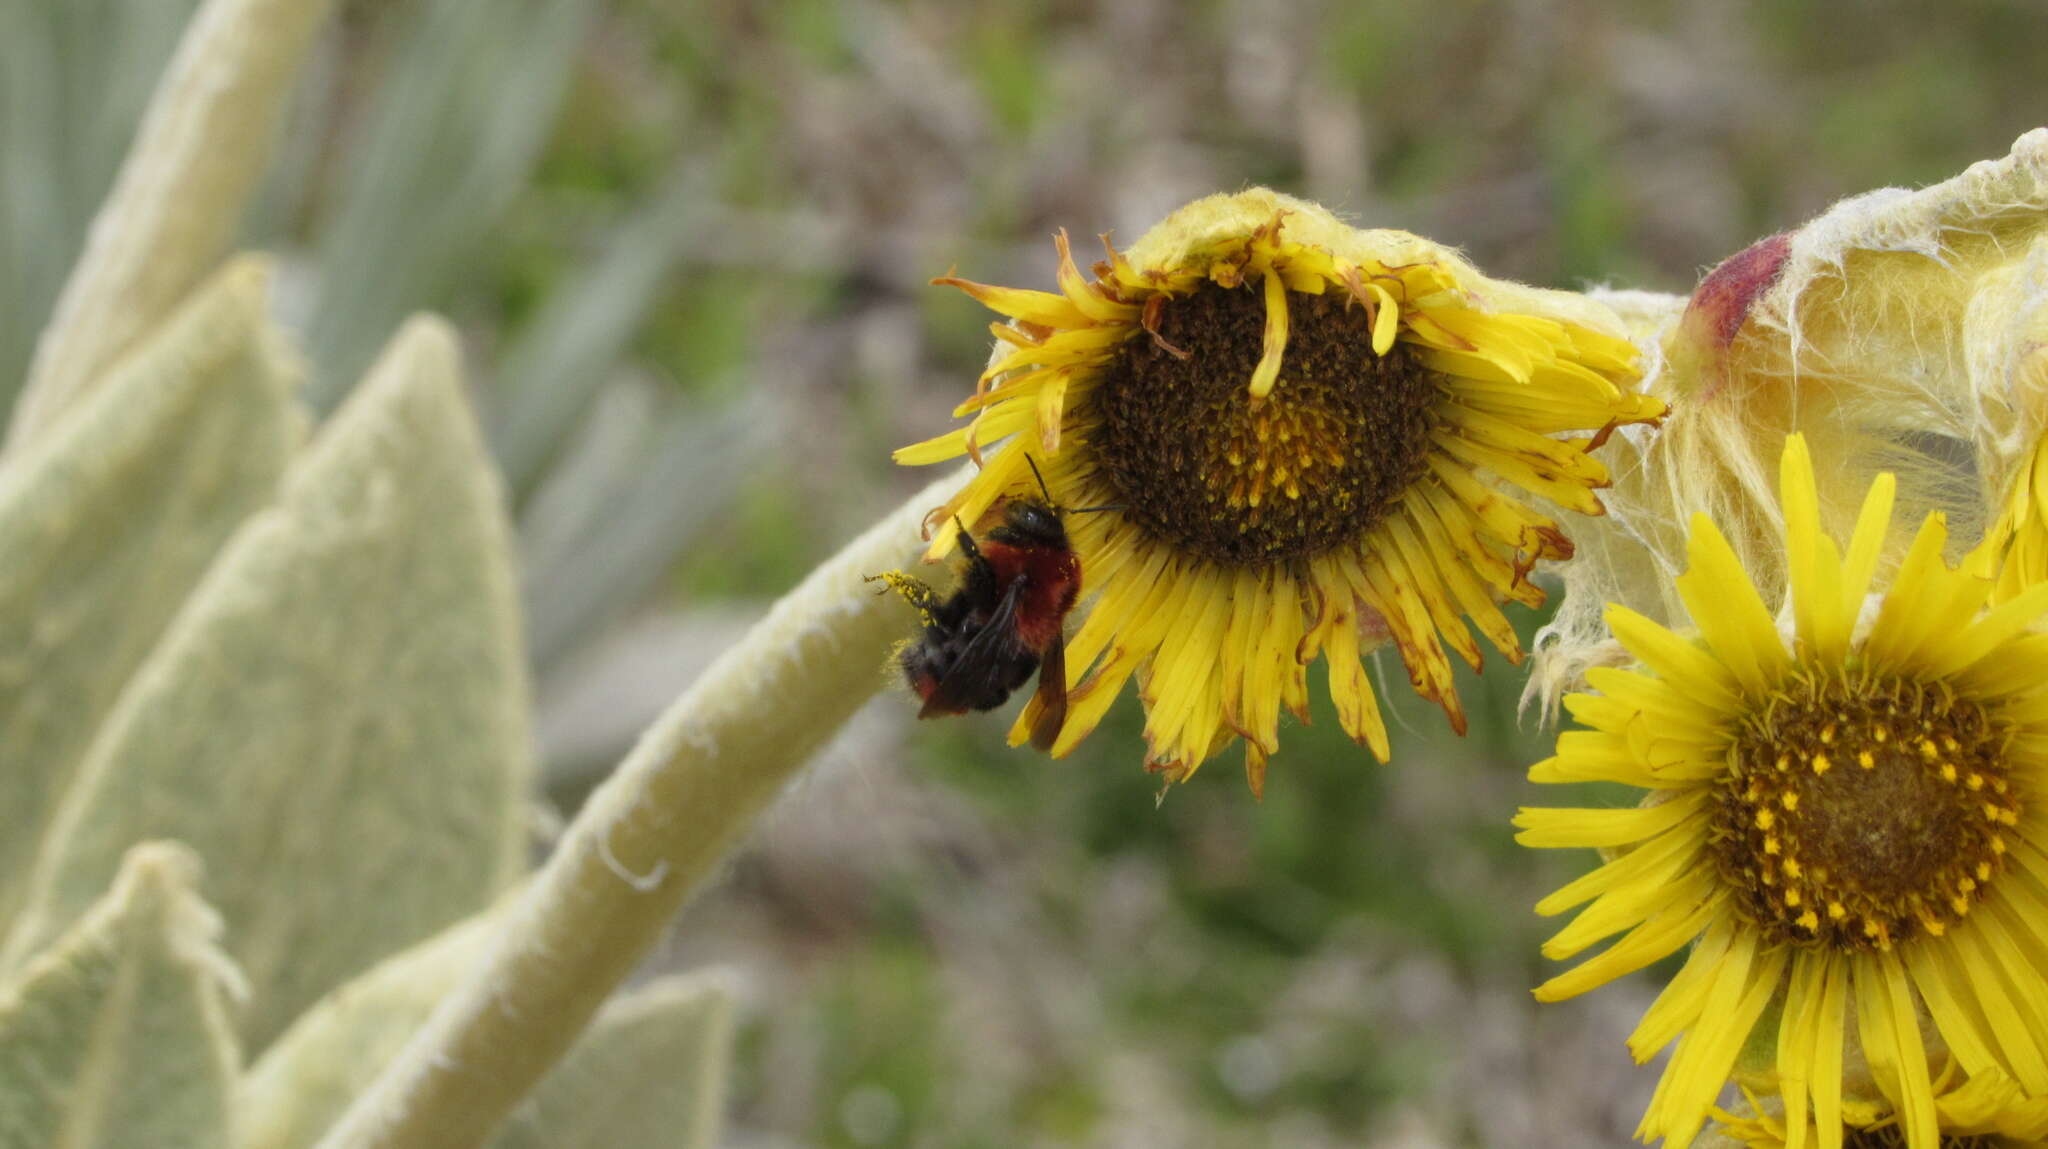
x=1053, y=583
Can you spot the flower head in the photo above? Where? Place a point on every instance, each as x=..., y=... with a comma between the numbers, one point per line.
x=1850, y=822
x=1295, y=426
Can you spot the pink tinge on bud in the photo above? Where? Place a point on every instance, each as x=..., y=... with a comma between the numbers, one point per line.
x=1722, y=302
x=1723, y=299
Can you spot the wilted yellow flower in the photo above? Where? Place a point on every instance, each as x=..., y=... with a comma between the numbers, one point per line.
x=1849, y=821
x=1985, y=1112
x=1295, y=423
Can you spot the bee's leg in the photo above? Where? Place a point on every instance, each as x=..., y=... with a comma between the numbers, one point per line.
x=979, y=583
x=914, y=591
x=967, y=544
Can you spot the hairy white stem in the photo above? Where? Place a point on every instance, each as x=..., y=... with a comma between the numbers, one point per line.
x=173, y=210
x=644, y=842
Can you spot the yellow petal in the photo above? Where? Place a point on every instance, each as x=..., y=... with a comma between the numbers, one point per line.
x=1891, y=1040
x=1730, y=614
x=1867, y=543
x=1654, y=940
x=1686, y=666
x=1046, y=308
x=1358, y=712
x=1274, y=344
x=1681, y=1000
x=1659, y=887
x=1699, y=1069
x=1546, y=826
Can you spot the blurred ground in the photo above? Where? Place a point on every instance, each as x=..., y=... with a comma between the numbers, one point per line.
x=948, y=944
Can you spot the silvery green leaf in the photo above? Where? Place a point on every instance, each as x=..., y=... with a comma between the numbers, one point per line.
x=597, y=536
x=108, y=522
x=171, y=215
x=336, y=720
x=645, y=839
x=331, y=1053
x=561, y=360
x=118, y=1036
x=650, y=1071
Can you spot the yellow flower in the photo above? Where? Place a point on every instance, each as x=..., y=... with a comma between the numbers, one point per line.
x=1290, y=419
x=1850, y=821
x=1986, y=1112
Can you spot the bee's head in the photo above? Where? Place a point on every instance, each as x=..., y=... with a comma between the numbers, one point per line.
x=1029, y=522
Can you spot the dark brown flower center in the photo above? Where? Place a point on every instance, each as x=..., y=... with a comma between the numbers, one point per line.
x=1203, y=466
x=1863, y=811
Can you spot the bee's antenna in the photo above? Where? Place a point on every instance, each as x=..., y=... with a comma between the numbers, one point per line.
x=1043, y=489
x=1103, y=507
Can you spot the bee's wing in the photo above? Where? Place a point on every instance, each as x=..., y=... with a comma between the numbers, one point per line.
x=978, y=679
x=1052, y=694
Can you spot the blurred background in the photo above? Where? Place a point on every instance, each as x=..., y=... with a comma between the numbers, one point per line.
x=688, y=245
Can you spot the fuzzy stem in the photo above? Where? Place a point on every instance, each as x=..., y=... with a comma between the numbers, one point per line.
x=642, y=844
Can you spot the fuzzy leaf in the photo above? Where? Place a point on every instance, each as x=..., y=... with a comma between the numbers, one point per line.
x=558, y=365
x=119, y=1036
x=108, y=523
x=598, y=535
x=650, y=1071
x=644, y=840
x=202, y=145
x=336, y=720
x=309, y=1075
